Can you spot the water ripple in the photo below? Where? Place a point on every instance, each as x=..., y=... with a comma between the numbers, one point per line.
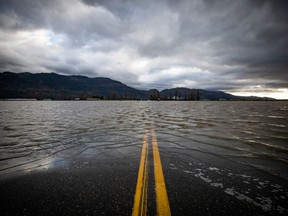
x=36, y=134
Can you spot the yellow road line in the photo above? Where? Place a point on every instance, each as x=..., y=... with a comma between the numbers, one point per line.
x=162, y=202
x=140, y=199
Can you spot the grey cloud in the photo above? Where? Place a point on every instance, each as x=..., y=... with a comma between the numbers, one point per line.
x=123, y=9
x=277, y=85
x=233, y=40
x=61, y=17
x=27, y=13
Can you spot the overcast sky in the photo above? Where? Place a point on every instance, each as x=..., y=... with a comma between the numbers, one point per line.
x=239, y=47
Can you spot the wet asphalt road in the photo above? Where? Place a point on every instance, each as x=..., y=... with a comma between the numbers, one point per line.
x=196, y=185
x=69, y=158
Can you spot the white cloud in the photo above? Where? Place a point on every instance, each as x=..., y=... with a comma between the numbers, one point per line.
x=223, y=45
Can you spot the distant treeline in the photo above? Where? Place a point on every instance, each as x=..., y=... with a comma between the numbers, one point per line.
x=42, y=86
x=189, y=95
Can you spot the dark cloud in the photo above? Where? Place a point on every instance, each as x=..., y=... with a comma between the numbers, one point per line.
x=225, y=45
x=26, y=14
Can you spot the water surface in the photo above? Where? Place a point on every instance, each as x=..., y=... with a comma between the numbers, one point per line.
x=37, y=134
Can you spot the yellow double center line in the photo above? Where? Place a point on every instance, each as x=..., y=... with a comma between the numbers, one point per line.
x=140, y=200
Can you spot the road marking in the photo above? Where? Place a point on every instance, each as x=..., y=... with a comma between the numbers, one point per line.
x=162, y=202
x=140, y=199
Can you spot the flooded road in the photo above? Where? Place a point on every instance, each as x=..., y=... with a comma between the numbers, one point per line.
x=82, y=158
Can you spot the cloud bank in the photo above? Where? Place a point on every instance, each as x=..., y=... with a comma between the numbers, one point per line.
x=235, y=46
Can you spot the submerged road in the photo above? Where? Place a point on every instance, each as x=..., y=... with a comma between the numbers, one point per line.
x=153, y=177
x=143, y=158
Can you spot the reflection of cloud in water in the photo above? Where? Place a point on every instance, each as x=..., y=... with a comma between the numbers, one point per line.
x=34, y=165
x=57, y=163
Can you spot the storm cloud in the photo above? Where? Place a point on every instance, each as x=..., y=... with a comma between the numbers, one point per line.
x=235, y=46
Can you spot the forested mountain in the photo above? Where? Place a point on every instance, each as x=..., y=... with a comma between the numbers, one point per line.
x=55, y=86
x=59, y=87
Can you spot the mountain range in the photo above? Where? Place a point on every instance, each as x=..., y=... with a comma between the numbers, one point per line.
x=60, y=87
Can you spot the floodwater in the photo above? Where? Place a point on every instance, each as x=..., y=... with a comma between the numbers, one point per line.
x=226, y=140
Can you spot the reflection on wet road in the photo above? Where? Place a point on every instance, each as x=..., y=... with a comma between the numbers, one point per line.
x=217, y=157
